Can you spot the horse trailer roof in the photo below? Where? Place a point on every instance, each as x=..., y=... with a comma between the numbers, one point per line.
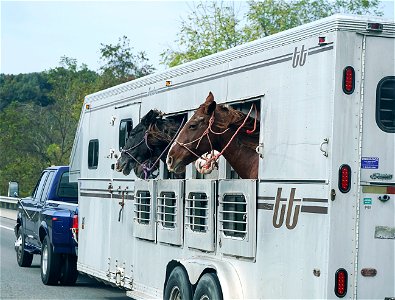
x=337, y=22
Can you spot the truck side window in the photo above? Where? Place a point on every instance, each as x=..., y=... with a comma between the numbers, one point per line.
x=48, y=183
x=93, y=154
x=385, y=104
x=125, y=127
x=39, y=187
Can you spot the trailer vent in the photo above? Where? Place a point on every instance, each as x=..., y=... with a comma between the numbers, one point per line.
x=234, y=215
x=197, y=212
x=385, y=104
x=167, y=209
x=348, y=80
x=142, y=207
x=341, y=282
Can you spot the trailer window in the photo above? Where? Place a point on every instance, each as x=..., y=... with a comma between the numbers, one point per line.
x=197, y=208
x=234, y=215
x=93, y=154
x=167, y=206
x=143, y=207
x=125, y=127
x=385, y=104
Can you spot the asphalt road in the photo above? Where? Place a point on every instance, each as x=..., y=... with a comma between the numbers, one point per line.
x=25, y=283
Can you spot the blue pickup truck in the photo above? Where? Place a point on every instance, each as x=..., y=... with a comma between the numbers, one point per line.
x=47, y=224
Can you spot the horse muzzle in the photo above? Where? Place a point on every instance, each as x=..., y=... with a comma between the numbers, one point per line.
x=174, y=166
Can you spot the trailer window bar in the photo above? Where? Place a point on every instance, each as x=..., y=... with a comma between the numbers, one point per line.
x=197, y=212
x=233, y=215
x=142, y=207
x=167, y=209
x=385, y=104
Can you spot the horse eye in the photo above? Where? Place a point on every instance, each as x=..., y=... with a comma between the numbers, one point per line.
x=192, y=126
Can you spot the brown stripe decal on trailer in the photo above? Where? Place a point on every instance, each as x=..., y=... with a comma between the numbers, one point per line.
x=107, y=196
x=95, y=195
x=266, y=206
x=315, y=200
x=314, y=209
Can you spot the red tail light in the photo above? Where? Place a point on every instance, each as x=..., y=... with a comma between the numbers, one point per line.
x=344, y=178
x=75, y=222
x=341, y=281
x=74, y=228
x=348, y=80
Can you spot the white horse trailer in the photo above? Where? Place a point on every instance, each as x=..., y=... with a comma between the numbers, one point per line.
x=319, y=220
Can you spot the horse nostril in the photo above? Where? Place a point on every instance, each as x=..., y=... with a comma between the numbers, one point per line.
x=169, y=160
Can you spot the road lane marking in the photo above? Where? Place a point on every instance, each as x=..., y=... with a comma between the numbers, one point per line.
x=8, y=228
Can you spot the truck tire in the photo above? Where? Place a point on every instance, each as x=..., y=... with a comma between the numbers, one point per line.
x=50, y=264
x=178, y=286
x=23, y=257
x=208, y=288
x=69, y=270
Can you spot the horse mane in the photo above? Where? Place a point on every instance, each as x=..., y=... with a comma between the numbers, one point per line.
x=233, y=120
x=162, y=131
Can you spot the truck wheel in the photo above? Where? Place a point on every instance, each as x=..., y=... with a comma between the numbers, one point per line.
x=69, y=270
x=208, y=288
x=178, y=286
x=50, y=264
x=23, y=257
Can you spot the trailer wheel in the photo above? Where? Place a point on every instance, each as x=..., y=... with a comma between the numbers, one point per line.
x=23, y=257
x=69, y=270
x=50, y=264
x=208, y=288
x=178, y=286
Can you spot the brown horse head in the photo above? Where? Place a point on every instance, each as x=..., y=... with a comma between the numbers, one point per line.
x=217, y=127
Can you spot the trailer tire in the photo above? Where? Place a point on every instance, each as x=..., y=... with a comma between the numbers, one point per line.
x=50, y=264
x=208, y=288
x=178, y=286
x=69, y=270
x=23, y=257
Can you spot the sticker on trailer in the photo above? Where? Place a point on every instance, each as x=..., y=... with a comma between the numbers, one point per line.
x=384, y=232
x=370, y=163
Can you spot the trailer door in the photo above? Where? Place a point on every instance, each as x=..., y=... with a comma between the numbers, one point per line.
x=376, y=261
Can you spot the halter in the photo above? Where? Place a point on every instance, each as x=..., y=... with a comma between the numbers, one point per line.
x=149, y=169
x=211, y=160
x=146, y=165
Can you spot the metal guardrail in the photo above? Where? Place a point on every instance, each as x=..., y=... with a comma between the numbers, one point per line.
x=8, y=202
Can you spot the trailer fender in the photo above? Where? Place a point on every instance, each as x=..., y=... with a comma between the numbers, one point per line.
x=226, y=272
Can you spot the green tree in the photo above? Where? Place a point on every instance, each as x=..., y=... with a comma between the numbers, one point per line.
x=212, y=27
x=209, y=28
x=70, y=84
x=31, y=87
x=120, y=64
x=20, y=158
x=33, y=136
x=271, y=16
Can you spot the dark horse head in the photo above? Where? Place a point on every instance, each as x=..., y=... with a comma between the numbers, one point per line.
x=217, y=127
x=148, y=142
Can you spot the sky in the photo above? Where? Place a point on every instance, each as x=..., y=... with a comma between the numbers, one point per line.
x=36, y=34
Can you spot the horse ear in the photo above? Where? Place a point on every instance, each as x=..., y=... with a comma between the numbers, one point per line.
x=210, y=104
x=150, y=117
